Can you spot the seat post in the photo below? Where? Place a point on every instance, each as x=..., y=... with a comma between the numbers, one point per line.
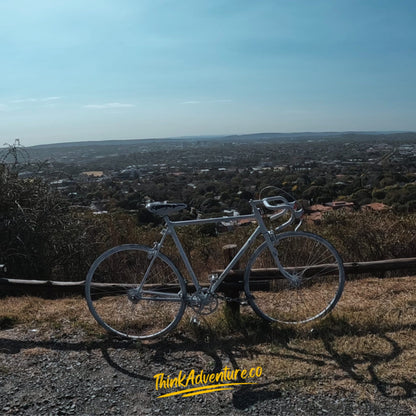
x=232, y=307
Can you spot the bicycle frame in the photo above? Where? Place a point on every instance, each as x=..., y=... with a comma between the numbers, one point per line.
x=261, y=229
x=303, y=258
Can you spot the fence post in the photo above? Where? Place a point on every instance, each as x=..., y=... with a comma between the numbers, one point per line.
x=232, y=308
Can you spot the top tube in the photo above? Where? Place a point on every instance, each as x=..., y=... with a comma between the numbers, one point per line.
x=214, y=220
x=211, y=220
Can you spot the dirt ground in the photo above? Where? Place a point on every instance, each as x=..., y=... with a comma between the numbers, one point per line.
x=55, y=360
x=67, y=376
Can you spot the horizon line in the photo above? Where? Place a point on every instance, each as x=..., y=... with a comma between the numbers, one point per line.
x=212, y=136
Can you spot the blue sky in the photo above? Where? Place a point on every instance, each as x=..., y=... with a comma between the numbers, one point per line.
x=99, y=69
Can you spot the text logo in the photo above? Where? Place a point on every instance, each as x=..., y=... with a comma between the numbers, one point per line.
x=194, y=383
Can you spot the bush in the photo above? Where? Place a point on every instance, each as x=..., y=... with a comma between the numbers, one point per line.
x=367, y=236
x=39, y=236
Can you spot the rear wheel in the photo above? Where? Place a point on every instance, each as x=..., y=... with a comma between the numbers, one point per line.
x=134, y=292
x=306, y=284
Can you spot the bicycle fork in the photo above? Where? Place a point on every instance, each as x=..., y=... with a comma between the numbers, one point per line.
x=134, y=295
x=270, y=239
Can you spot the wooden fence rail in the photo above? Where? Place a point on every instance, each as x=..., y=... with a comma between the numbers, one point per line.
x=233, y=282
x=350, y=268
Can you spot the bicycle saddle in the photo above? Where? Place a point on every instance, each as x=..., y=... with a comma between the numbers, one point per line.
x=164, y=208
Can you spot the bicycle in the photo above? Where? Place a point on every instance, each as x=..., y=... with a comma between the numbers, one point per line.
x=292, y=277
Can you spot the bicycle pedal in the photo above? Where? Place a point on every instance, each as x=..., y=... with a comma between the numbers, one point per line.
x=195, y=321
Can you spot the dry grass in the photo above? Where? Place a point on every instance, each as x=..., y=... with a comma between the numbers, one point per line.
x=58, y=316
x=367, y=345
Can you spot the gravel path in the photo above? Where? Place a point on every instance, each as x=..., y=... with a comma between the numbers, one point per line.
x=68, y=376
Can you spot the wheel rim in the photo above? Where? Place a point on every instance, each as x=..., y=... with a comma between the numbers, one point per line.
x=118, y=305
x=315, y=284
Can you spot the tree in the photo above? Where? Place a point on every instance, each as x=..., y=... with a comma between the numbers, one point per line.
x=39, y=236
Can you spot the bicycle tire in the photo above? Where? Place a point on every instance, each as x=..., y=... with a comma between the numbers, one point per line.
x=313, y=284
x=118, y=308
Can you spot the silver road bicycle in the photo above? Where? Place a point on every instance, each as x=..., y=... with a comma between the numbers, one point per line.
x=292, y=277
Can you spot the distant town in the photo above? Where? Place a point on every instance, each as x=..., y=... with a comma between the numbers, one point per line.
x=326, y=171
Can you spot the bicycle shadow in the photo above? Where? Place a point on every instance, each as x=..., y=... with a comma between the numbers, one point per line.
x=210, y=357
x=142, y=361
x=363, y=369
x=378, y=368
x=211, y=354
x=349, y=364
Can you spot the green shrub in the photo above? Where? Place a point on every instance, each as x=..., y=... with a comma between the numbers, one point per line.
x=39, y=236
x=367, y=236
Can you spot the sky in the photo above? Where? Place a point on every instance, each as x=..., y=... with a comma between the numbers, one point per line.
x=74, y=70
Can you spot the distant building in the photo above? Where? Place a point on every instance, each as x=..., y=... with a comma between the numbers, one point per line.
x=26, y=174
x=130, y=172
x=375, y=206
x=319, y=208
x=94, y=173
x=315, y=212
x=340, y=204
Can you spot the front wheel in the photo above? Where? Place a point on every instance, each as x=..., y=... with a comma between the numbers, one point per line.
x=305, y=284
x=134, y=292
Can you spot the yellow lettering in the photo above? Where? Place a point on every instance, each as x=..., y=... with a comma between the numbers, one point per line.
x=198, y=379
x=181, y=378
x=159, y=378
x=172, y=382
x=227, y=374
x=206, y=378
x=191, y=377
x=219, y=377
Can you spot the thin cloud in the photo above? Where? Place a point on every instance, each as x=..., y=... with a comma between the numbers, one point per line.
x=35, y=100
x=109, y=105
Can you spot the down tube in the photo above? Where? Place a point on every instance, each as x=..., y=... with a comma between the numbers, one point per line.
x=237, y=257
x=184, y=257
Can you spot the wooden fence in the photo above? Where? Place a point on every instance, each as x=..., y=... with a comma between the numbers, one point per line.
x=231, y=285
